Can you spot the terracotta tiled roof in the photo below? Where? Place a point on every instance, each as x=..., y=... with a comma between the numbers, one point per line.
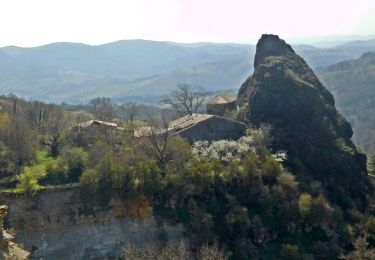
x=98, y=122
x=187, y=121
x=175, y=126
x=221, y=98
x=142, y=131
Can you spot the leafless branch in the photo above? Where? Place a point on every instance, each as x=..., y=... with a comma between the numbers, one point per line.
x=186, y=99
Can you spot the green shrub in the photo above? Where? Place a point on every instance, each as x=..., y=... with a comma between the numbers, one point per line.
x=290, y=252
x=28, y=180
x=305, y=203
x=66, y=168
x=55, y=174
x=89, y=179
x=315, y=211
x=74, y=160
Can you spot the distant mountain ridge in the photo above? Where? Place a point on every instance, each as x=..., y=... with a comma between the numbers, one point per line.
x=137, y=70
x=353, y=85
x=68, y=71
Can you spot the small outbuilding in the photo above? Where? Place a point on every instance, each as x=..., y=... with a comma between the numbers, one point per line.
x=221, y=104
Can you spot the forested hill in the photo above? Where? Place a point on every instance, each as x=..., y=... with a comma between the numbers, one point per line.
x=353, y=85
x=77, y=72
x=133, y=69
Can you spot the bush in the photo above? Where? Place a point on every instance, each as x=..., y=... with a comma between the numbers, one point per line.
x=55, y=174
x=290, y=252
x=89, y=179
x=67, y=168
x=315, y=211
x=74, y=160
x=361, y=250
x=28, y=181
x=227, y=150
x=181, y=251
x=212, y=253
x=305, y=204
x=223, y=150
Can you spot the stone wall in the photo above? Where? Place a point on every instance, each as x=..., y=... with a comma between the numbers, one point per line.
x=221, y=109
x=51, y=227
x=214, y=128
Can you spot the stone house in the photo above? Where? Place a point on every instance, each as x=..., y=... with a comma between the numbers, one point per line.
x=89, y=132
x=206, y=127
x=221, y=104
x=198, y=127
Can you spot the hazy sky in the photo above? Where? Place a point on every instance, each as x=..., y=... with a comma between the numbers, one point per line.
x=37, y=22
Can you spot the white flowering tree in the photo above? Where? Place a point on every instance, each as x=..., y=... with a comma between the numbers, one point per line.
x=227, y=150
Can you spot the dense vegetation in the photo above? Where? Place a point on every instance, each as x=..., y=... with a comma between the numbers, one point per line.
x=237, y=194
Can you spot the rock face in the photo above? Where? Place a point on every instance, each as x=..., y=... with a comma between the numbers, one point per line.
x=56, y=224
x=8, y=249
x=285, y=94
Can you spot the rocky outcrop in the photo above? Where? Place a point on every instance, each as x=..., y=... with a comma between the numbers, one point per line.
x=285, y=94
x=8, y=249
x=58, y=224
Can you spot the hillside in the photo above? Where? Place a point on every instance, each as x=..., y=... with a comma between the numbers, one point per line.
x=133, y=69
x=75, y=72
x=353, y=85
x=293, y=187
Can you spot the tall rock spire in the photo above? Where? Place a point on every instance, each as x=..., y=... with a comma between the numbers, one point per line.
x=285, y=94
x=271, y=45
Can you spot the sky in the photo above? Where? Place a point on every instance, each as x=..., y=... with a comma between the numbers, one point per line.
x=29, y=23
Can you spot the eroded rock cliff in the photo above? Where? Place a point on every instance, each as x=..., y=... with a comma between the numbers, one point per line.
x=56, y=225
x=9, y=249
x=285, y=94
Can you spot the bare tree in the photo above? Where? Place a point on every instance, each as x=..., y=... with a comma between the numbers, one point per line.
x=16, y=134
x=102, y=108
x=159, y=138
x=186, y=99
x=37, y=115
x=130, y=110
x=56, y=123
